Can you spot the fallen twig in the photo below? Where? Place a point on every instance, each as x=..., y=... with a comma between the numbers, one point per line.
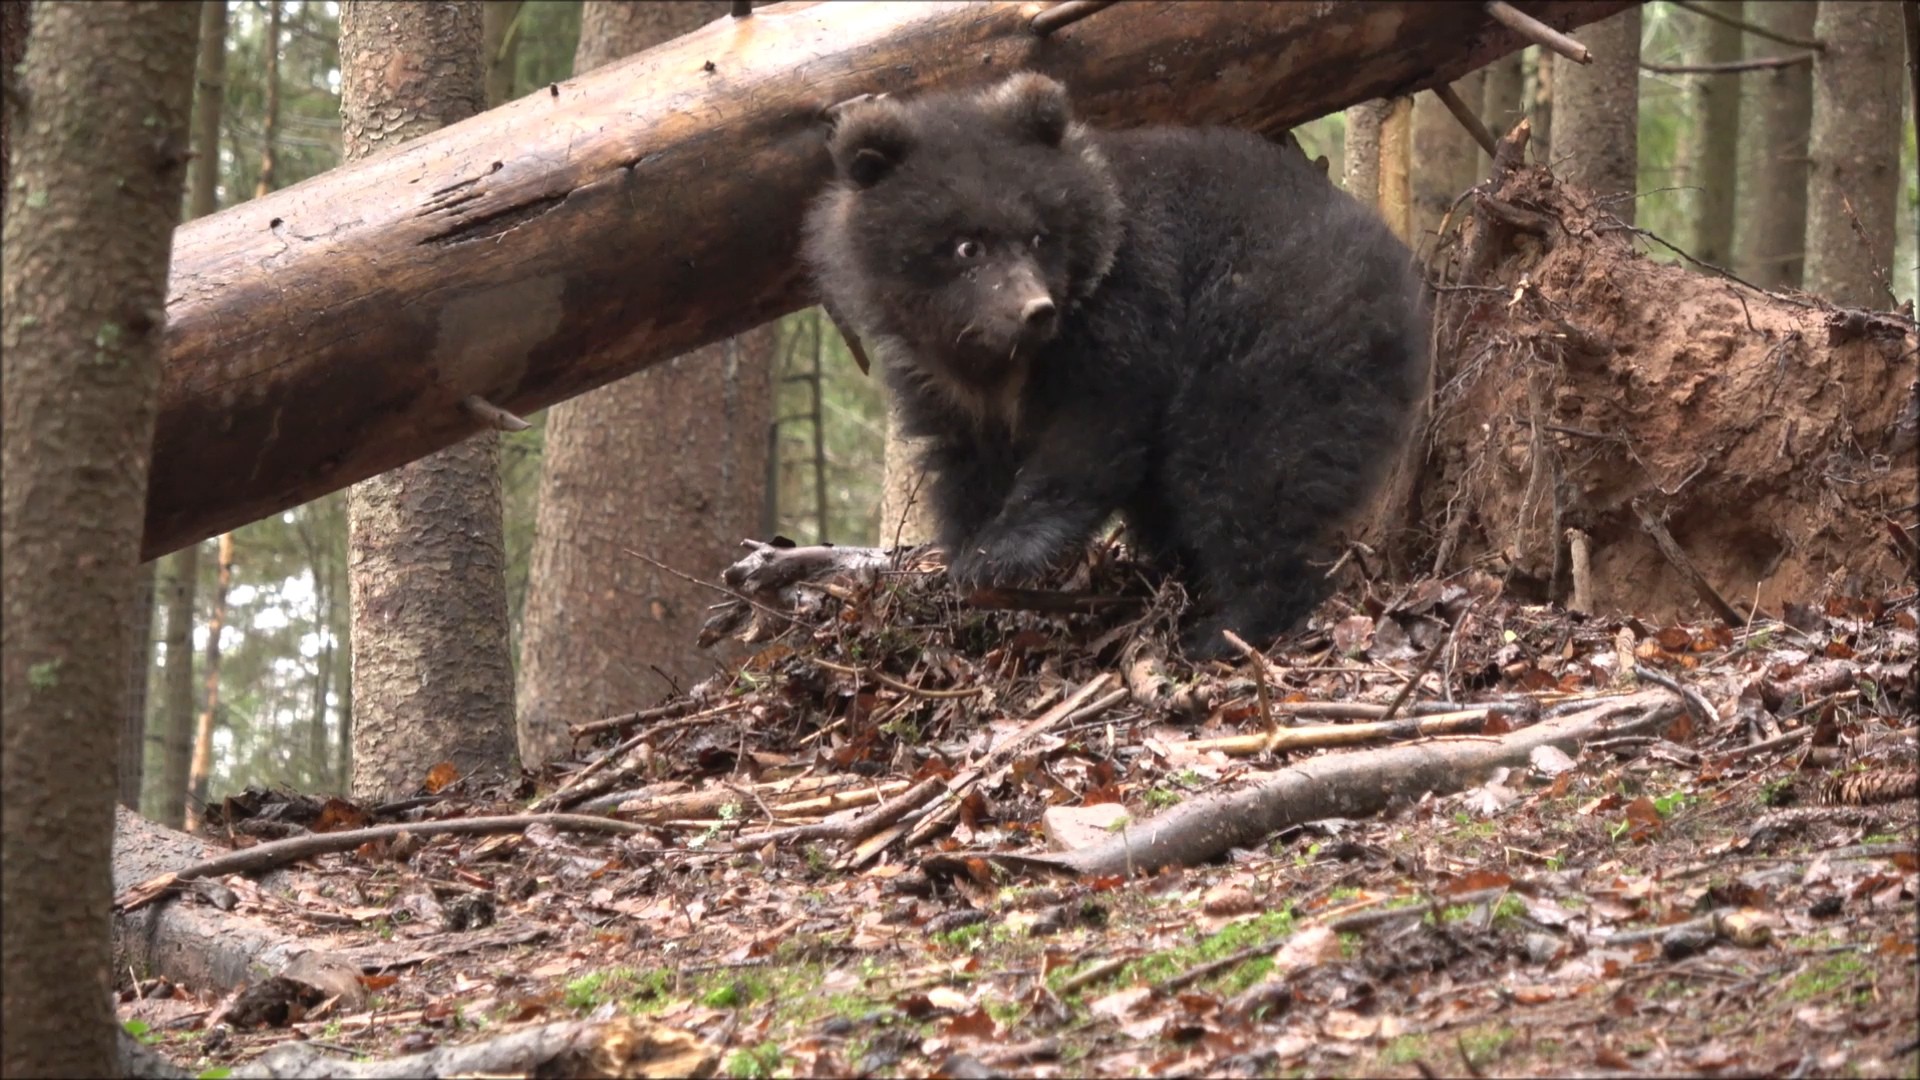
x=1075, y=707
x=1677, y=556
x=1696, y=702
x=1280, y=740
x=926, y=791
x=1426, y=664
x=1336, y=785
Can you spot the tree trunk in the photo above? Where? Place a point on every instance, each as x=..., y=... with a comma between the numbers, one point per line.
x=203, y=198
x=427, y=560
x=199, y=776
x=183, y=580
x=499, y=42
x=343, y=693
x=270, y=127
x=99, y=160
x=1360, y=165
x=1709, y=155
x=1596, y=114
x=319, y=751
x=210, y=79
x=1446, y=160
x=1396, y=160
x=906, y=513
x=670, y=462
x=1503, y=100
x=1540, y=104
x=131, y=767
x=1855, y=140
x=1771, y=231
x=331, y=331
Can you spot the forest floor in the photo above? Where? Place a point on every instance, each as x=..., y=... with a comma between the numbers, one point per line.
x=1724, y=885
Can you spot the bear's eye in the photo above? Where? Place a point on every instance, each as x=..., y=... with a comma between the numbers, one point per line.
x=967, y=249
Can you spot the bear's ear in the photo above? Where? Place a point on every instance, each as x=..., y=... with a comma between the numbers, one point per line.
x=1035, y=105
x=870, y=139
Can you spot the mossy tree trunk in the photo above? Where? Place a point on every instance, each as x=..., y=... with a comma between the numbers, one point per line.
x=98, y=163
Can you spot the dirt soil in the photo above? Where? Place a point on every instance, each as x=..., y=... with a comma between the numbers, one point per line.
x=1584, y=386
x=1733, y=892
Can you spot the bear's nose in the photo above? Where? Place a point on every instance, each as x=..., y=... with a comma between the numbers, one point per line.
x=1039, y=314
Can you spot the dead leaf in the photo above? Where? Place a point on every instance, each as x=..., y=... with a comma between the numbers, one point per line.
x=1310, y=947
x=1122, y=1003
x=441, y=777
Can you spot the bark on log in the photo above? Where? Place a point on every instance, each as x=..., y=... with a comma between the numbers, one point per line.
x=197, y=944
x=331, y=330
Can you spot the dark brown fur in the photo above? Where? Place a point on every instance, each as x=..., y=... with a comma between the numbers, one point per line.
x=1190, y=326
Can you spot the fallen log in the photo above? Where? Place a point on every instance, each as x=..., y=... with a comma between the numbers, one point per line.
x=1351, y=785
x=338, y=328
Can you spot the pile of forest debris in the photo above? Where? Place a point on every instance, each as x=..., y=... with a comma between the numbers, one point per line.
x=883, y=707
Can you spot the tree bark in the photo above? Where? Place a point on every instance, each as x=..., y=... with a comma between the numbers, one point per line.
x=1596, y=114
x=329, y=332
x=1396, y=160
x=427, y=564
x=199, y=776
x=98, y=162
x=1360, y=164
x=670, y=462
x=183, y=580
x=1771, y=230
x=1709, y=156
x=1854, y=180
x=906, y=513
x=319, y=751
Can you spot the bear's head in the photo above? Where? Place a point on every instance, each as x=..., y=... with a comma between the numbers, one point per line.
x=964, y=226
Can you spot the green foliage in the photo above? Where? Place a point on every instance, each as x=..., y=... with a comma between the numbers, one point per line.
x=308, y=139
x=140, y=1030
x=754, y=1062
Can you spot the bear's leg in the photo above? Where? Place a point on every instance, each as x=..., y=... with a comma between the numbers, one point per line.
x=966, y=486
x=1083, y=467
x=1259, y=608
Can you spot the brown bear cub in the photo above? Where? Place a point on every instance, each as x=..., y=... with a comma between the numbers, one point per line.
x=1190, y=326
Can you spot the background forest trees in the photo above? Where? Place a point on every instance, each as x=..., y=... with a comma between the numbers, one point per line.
x=283, y=710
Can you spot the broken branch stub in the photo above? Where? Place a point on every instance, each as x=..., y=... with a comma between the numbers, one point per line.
x=329, y=331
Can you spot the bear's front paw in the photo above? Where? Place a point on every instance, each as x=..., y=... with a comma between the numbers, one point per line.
x=989, y=561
